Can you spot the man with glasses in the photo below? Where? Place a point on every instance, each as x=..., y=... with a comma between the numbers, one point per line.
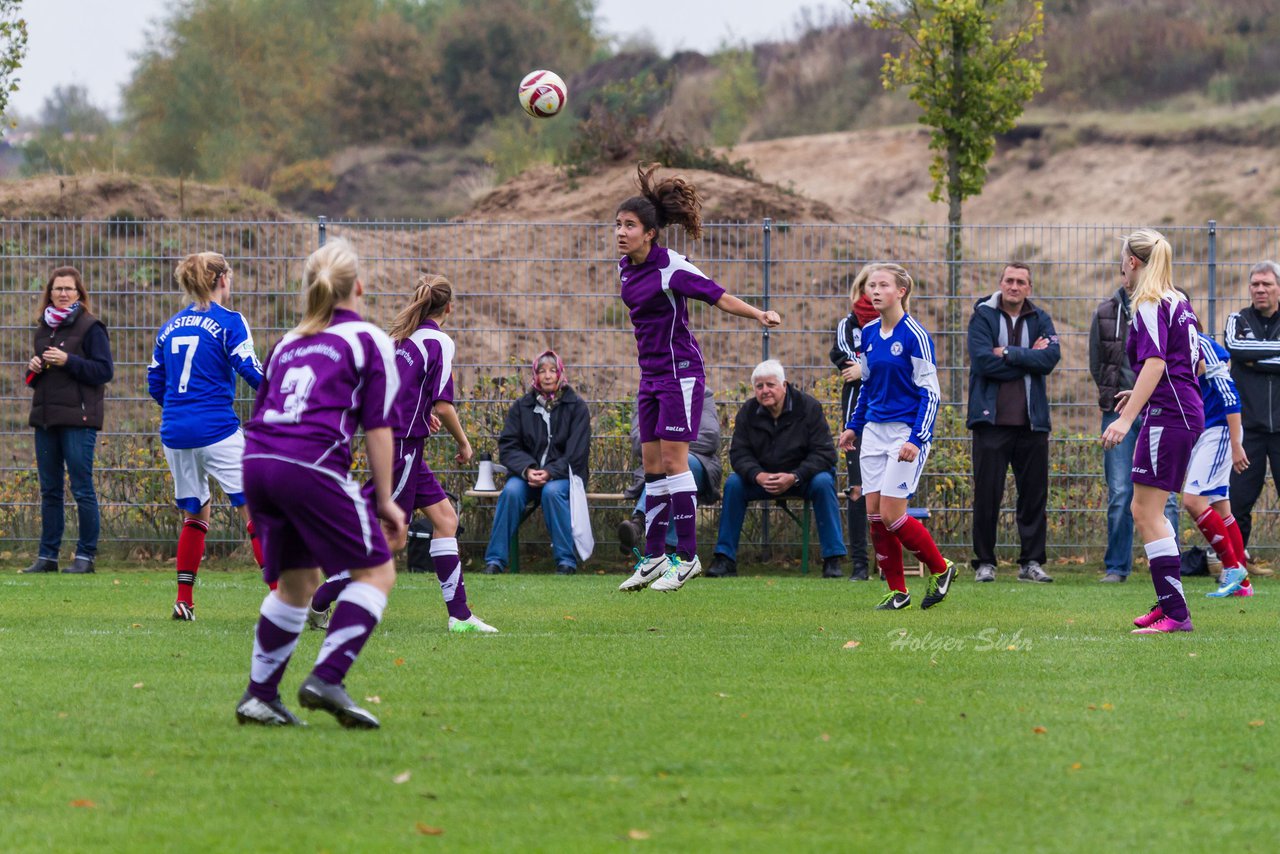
x=1012, y=348
x=1252, y=337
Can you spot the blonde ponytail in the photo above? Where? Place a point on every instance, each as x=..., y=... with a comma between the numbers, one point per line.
x=198, y=274
x=329, y=277
x=430, y=298
x=1155, y=278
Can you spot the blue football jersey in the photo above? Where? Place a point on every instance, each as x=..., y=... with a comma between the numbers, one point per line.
x=899, y=379
x=192, y=374
x=1217, y=389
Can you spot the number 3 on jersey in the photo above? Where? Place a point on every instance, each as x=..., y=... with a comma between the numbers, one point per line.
x=297, y=384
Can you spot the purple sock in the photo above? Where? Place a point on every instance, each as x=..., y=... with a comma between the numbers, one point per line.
x=1166, y=574
x=683, y=490
x=657, y=517
x=358, y=611
x=273, y=641
x=444, y=557
x=329, y=591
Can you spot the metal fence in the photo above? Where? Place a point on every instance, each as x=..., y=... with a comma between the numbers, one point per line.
x=522, y=287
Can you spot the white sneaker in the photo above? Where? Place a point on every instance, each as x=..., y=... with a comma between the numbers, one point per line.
x=318, y=619
x=648, y=569
x=680, y=572
x=471, y=624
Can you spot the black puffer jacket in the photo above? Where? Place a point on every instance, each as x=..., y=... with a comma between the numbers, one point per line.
x=799, y=441
x=1108, y=361
x=72, y=395
x=555, y=441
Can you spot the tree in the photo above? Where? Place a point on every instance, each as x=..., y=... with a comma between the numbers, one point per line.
x=967, y=64
x=74, y=135
x=13, y=47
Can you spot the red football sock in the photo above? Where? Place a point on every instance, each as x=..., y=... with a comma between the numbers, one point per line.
x=257, y=549
x=190, y=551
x=1215, y=533
x=916, y=538
x=1233, y=533
x=888, y=554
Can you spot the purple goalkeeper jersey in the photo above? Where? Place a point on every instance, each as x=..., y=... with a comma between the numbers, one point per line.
x=425, y=364
x=657, y=292
x=1168, y=330
x=318, y=389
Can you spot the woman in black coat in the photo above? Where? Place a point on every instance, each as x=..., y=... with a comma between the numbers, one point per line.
x=70, y=367
x=547, y=435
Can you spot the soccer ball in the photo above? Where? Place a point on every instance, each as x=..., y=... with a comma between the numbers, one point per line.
x=542, y=94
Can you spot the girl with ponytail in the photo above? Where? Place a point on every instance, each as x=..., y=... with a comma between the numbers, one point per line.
x=1164, y=351
x=331, y=375
x=656, y=286
x=424, y=359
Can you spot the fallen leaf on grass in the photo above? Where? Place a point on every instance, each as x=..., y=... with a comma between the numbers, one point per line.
x=652, y=629
x=137, y=684
x=1191, y=655
x=84, y=803
x=852, y=644
x=399, y=662
x=1107, y=707
x=116, y=581
x=1076, y=766
x=1039, y=730
x=62, y=715
x=136, y=626
x=1071, y=622
x=574, y=619
x=637, y=834
x=1257, y=723
x=821, y=629
x=375, y=699
x=1092, y=707
x=722, y=695
x=402, y=777
x=428, y=830
x=826, y=736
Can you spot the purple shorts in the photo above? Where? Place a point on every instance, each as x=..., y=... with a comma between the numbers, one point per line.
x=413, y=486
x=669, y=409
x=1162, y=455
x=305, y=516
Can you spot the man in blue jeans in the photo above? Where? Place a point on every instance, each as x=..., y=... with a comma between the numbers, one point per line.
x=1109, y=365
x=781, y=448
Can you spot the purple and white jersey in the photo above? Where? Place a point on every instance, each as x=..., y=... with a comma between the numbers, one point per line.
x=1168, y=330
x=318, y=389
x=657, y=293
x=425, y=364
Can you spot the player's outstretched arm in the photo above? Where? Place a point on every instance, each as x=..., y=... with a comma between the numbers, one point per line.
x=732, y=305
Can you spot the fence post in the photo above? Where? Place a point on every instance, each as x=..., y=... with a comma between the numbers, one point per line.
x=767, y=546
x=323, y=224
x=768, y=252
x=1213, y=278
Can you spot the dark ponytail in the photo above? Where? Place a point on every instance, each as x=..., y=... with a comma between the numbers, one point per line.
x=671, y=201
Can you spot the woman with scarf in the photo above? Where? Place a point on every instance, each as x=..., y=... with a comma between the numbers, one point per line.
x=547, y=435
x=71, y=365
x=844, y=355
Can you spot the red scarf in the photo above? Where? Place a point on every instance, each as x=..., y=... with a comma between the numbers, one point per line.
x=54, y=316
x=864, y=310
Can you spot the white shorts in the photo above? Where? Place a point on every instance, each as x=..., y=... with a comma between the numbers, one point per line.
x=882, y=472
x=1209, y=472
x=192, y=468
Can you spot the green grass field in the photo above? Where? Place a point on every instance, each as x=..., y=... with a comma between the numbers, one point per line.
x=733, y=715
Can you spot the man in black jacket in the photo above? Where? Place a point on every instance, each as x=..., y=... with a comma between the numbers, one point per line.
x=782, y=447
x=1252, y=337
x=1012, y=348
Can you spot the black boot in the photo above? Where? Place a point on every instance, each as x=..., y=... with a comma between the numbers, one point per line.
x=722, y=567
x=631, y=534
x=831, y=568
x=43, y=564
x=80, y=566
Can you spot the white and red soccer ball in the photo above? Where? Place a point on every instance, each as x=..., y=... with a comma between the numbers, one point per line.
x=542, y=94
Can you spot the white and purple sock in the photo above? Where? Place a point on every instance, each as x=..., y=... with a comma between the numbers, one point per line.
x=1166, y=575
x=444, y=557
x=657, y=516
x=279, y=626
x=358, y=612
x=683, y=492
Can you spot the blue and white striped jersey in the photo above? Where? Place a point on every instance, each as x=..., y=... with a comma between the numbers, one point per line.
x=899, y=379
x=1217, y=389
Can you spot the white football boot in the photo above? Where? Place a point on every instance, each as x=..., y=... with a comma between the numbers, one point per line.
x=647, y=570
x=679, y=572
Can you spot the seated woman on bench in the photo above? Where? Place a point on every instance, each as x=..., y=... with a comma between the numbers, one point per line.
x=547, y=434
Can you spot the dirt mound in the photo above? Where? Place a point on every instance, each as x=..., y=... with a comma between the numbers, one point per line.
x=131, y=197
x=544, y=195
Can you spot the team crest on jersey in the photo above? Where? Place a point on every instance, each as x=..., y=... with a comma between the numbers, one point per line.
x=896, y=348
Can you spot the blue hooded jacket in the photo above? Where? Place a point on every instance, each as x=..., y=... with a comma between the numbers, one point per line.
x=987, y=371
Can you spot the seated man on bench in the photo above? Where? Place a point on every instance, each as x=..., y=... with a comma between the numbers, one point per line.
x=781, y=448
x=547, y=433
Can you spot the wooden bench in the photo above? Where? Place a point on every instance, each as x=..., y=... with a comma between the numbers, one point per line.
x=513, y=563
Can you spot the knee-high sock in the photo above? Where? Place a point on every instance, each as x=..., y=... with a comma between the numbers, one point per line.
x=1215, y=533
x=657, y=517
x=1166, y=575
x=683, y=491
x=916, y=538
x=1237, y=542
x=190, y=551
x=328, y=592
x=888, y=554
x=358, y=612
x=444, y=557
x=279, y=625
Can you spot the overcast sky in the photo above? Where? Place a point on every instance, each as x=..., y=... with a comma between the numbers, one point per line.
x=92, y=42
